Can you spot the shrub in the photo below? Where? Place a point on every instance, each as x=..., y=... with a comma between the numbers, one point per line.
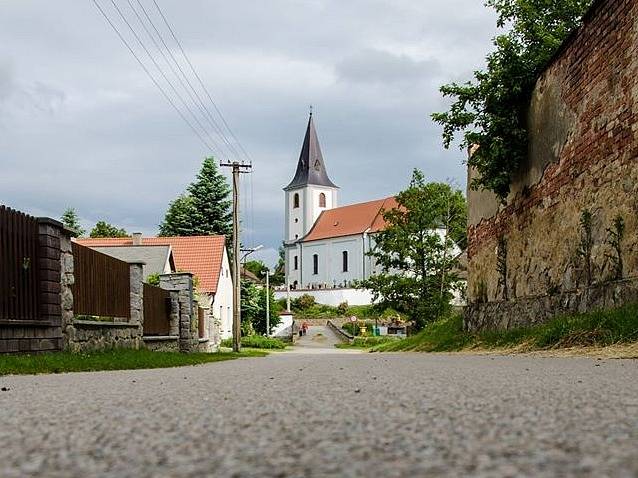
x=257, y=342
x=304, y=302
x=342, y=309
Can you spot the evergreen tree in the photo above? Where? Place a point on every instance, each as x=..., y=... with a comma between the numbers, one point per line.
x=179, y=218
x=208, y=207
x=71, y=221
x=104, y=229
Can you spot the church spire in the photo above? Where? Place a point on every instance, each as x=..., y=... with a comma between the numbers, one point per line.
x=310, y=168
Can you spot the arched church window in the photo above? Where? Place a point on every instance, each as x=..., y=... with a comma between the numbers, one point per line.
x=322, y=200
x=344, y=258
x=295, y=201
x=315, y=264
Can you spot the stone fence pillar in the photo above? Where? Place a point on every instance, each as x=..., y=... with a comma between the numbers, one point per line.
x=182, y=285
x=136, y=275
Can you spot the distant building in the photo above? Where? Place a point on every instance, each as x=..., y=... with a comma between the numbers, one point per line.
x=203, y=256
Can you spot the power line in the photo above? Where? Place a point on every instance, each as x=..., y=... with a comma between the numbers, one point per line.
x=152, y=78
x=183, y=79
x=200, y=81
x=161, y=72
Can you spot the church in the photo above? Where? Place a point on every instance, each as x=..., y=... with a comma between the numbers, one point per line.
x=325, y=244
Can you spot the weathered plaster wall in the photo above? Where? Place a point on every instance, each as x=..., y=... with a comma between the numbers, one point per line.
x=583, y=155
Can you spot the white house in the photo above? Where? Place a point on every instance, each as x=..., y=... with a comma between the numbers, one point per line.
x=327, y=246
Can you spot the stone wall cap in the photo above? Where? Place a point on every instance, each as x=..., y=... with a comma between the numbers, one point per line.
x=55, y=223
x=177, y=274
x=136, y=263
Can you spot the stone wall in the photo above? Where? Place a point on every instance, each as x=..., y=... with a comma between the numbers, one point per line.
x=583, y=155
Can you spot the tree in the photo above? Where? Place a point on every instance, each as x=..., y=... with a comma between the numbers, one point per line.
x=104, y=229
x=490, y=113
x=279, y=276
x=414, y=250
x=205, y=209
x=253, y=309
x=256, y=267
x=180, y=217
x=71, y=221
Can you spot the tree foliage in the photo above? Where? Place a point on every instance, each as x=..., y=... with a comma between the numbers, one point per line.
x=71, y=221
x=104, y=229
x=253, y=309
x=490, y=112
x=415, y=253
x=205, y=209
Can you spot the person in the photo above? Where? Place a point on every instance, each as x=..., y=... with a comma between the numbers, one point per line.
x=304, y=327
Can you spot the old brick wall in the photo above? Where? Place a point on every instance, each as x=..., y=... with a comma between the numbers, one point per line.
x=583, y=155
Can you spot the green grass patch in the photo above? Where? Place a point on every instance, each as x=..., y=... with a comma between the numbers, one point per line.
x=598, y=328
x=120, y=359
x=367, y=342
x=257, y=342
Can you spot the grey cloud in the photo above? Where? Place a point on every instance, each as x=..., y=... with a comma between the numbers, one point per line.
x=375, y=66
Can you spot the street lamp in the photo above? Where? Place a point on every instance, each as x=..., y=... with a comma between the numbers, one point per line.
x=268, y=274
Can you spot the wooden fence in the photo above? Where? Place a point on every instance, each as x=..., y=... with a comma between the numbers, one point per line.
x=201, y=322
x=19, y=267
x=157, y=310
x=102, y=284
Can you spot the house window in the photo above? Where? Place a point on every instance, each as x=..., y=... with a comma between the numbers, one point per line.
x=322, y=200
x=296, y=260
x=344, y=258
x=295, y=201
x=315, y=264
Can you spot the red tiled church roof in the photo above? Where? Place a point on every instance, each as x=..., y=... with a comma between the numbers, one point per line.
x=200, y=255
x=351, y=220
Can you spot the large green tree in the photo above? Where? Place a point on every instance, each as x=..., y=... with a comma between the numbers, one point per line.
x=253, y=309
x=71, y=221
x=415, y=251
x=205, y=209
x=104, y=229
x=490, y=112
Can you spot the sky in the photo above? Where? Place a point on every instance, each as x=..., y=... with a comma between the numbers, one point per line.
x=82, y=125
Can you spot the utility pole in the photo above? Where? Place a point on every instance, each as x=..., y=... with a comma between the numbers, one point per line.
x=238, y=168
x=267, y=302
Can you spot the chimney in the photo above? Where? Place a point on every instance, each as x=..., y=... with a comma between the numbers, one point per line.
x=137, y=238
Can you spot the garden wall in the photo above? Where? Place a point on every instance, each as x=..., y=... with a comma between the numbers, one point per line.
x=523, y=255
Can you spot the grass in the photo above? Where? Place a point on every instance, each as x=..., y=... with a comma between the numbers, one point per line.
x=367, y=342
x=120, y=359
x=598, y=328
x=257, y=342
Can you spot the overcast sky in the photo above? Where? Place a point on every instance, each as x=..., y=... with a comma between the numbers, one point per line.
x=81, y=124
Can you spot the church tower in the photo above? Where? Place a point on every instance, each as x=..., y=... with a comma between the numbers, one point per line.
x=309, y=193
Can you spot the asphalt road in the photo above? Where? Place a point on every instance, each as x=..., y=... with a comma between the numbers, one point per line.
x=313, y=415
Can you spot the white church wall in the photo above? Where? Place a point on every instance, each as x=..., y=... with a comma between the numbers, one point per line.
x=332, y=297
x=330, y=272
x=295, y=216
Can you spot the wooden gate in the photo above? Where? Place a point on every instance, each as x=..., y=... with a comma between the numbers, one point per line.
x=157, y=311
x=19, y=281
x=102, y=284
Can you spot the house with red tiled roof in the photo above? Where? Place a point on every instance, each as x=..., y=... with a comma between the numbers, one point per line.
x=205, y=257
x=326, y=246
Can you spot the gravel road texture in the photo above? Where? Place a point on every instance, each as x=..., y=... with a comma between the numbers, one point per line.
x=320, y=415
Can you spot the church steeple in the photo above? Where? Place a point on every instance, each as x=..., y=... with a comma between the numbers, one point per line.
x=311, y=169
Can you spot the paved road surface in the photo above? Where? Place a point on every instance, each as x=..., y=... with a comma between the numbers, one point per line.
x=319, y=340
x=309, y=415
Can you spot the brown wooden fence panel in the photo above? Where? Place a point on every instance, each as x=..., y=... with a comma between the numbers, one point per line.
x=102, y=284
x=19, y=281
x=201, y=322
x=157, y=310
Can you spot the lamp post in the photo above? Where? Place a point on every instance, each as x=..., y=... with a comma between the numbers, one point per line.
x=267, y=271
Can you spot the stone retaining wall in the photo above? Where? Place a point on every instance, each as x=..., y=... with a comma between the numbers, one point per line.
x=583, y=155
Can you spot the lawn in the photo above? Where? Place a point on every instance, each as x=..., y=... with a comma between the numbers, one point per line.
x=598, y=328
x=121, y=359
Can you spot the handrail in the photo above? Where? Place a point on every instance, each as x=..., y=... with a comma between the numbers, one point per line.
x=342, y=334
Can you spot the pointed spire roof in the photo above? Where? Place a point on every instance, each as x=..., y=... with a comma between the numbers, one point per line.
x=310, y=168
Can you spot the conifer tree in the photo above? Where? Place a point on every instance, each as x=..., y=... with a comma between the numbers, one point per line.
x=71, y=221
x=205, y=209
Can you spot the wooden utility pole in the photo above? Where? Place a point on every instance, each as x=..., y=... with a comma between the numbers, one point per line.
x=238, y=168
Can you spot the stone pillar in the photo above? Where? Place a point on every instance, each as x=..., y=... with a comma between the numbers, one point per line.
x=182, y=284
x=66, y=292
x=136, y=276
